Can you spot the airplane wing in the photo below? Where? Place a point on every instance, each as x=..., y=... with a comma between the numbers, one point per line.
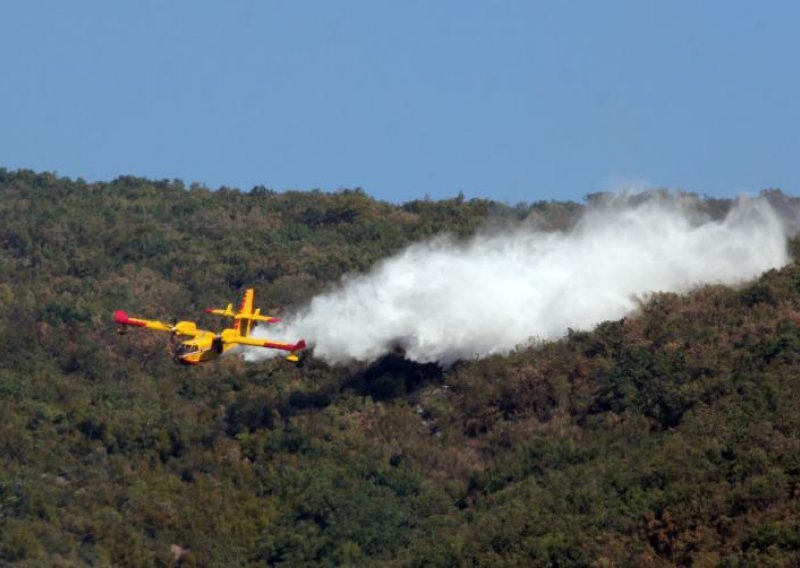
x=255, y=342
x=181, y=328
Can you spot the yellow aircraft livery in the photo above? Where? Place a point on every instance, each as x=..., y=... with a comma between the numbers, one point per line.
x=204, y=345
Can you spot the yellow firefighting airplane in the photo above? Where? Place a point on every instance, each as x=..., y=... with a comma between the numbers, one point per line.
x=207, y=345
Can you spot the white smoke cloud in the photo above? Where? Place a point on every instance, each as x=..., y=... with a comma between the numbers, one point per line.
x=445, y=300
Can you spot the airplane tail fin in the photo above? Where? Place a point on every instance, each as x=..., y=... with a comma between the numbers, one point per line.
x=245, y=319
x=243, y=323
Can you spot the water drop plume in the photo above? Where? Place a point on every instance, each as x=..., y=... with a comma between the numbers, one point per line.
x=445, y=299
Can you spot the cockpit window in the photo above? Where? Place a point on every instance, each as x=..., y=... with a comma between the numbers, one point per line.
x=184, y=349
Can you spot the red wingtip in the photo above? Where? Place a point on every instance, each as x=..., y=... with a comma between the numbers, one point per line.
x=209, y=310
x=300, y=345
x=122, y=318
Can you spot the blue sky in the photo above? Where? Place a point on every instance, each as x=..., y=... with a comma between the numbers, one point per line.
x=512, y=100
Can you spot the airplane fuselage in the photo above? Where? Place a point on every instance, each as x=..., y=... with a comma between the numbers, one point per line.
x=206, y=346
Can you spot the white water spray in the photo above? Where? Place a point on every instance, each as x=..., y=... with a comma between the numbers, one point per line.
x=445, y=300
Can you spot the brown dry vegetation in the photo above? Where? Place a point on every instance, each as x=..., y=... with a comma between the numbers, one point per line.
x=669, y=437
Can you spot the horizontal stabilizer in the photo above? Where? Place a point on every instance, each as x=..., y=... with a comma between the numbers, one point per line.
x=220, y=312
x=257, y=317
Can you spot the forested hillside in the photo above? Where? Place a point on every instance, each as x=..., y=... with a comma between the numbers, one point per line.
x=668, y=437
